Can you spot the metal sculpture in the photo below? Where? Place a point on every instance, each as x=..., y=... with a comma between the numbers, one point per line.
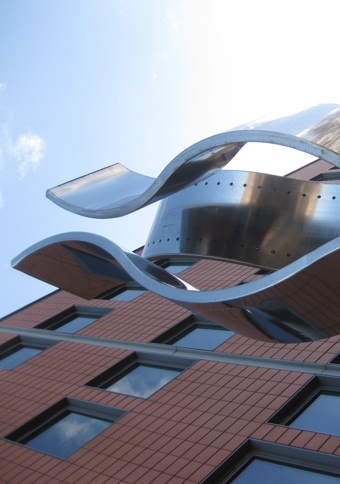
x=287, y=225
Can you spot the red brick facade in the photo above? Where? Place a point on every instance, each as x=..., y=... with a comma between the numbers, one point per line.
x=181, y=433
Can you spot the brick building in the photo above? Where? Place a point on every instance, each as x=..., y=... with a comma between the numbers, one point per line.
x=136, y=389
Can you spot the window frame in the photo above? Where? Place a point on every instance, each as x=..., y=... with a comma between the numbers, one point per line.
x=304, y=397
x=270, y=322
x=112, y=293
x=166, y=263
x=335, y=360
x=60, y=319
x=309, y=460
x=184, y=327
x=41, y=421
x=18, y=342
x=120, y=369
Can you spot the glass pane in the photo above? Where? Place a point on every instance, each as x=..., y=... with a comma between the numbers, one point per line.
x=322, y=415
x=177, y=268
x=76, y=324
x=19, y=356
x=67, y=434
x=204, y=338
x=144, y=380
x=270, y=472
x=128, y=295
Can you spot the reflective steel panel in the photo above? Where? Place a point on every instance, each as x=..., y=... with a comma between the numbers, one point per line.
x=253, y=218
x=287, y=305
x=290, y=226
x=115, y=191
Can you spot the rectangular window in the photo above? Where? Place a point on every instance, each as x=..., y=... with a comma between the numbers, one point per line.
x=123, y=293
x=175, y=266
x=204, y=337
x=140, y=374
x=281, y=322
x=316, y=407
x=19, y=350
x=142, y=379
x=76, y=323
x=74, y=319
x=128, y=294
x=336, y=360
x=65, y=427
x=267, y=471
x=195, y=332
x=264, y=462
x=322, y=415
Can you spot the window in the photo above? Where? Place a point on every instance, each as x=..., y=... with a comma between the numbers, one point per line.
x=175, y=266
x=128, y=294
x=141, y=374
x=65, y=427
x=280, y=473
x=125, y=293
x=328, y=176
x=279, y=321
x=76, y=323
x=263, y=272
x=20, y=349
x=195, y=332
x=276, y=463
x=336, y=360
x=204, y=337
x=74, y=319
x=315, y=407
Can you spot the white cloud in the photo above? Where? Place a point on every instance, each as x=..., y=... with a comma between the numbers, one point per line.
x=174, y=22
x=2, y=86
x=28, y=150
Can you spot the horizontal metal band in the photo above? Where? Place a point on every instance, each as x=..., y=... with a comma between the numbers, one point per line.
x=162, y=349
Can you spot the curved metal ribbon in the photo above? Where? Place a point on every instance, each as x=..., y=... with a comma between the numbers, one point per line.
x=116, y=191
x=262, y=220
x=299, y=302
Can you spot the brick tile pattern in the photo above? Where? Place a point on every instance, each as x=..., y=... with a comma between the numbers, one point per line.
x=184, y=430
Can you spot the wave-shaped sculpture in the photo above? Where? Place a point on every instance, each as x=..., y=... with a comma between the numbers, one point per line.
x=116, y=191
x=290, y=226
x=287, y=305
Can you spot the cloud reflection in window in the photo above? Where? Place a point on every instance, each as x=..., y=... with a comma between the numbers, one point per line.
x=67, y=433
x=143, y=380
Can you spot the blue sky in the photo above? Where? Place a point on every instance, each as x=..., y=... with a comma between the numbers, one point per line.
x=87, y=83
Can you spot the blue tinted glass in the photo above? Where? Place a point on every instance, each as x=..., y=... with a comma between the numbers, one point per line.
x=265, y=472
x=128, y=294
x=77, y=323
x=19, y=356
x=144, y=380
x=204, y=338
x=177, y=268
x=322, y=415
x=67, y=434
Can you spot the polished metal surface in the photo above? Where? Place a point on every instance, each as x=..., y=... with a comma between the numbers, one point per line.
x=262, y=220
x=299, y=302
x=87, y=264
x=116, y=191
x=290, y=226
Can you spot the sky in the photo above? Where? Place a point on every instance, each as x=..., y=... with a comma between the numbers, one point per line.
x=88, y=83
